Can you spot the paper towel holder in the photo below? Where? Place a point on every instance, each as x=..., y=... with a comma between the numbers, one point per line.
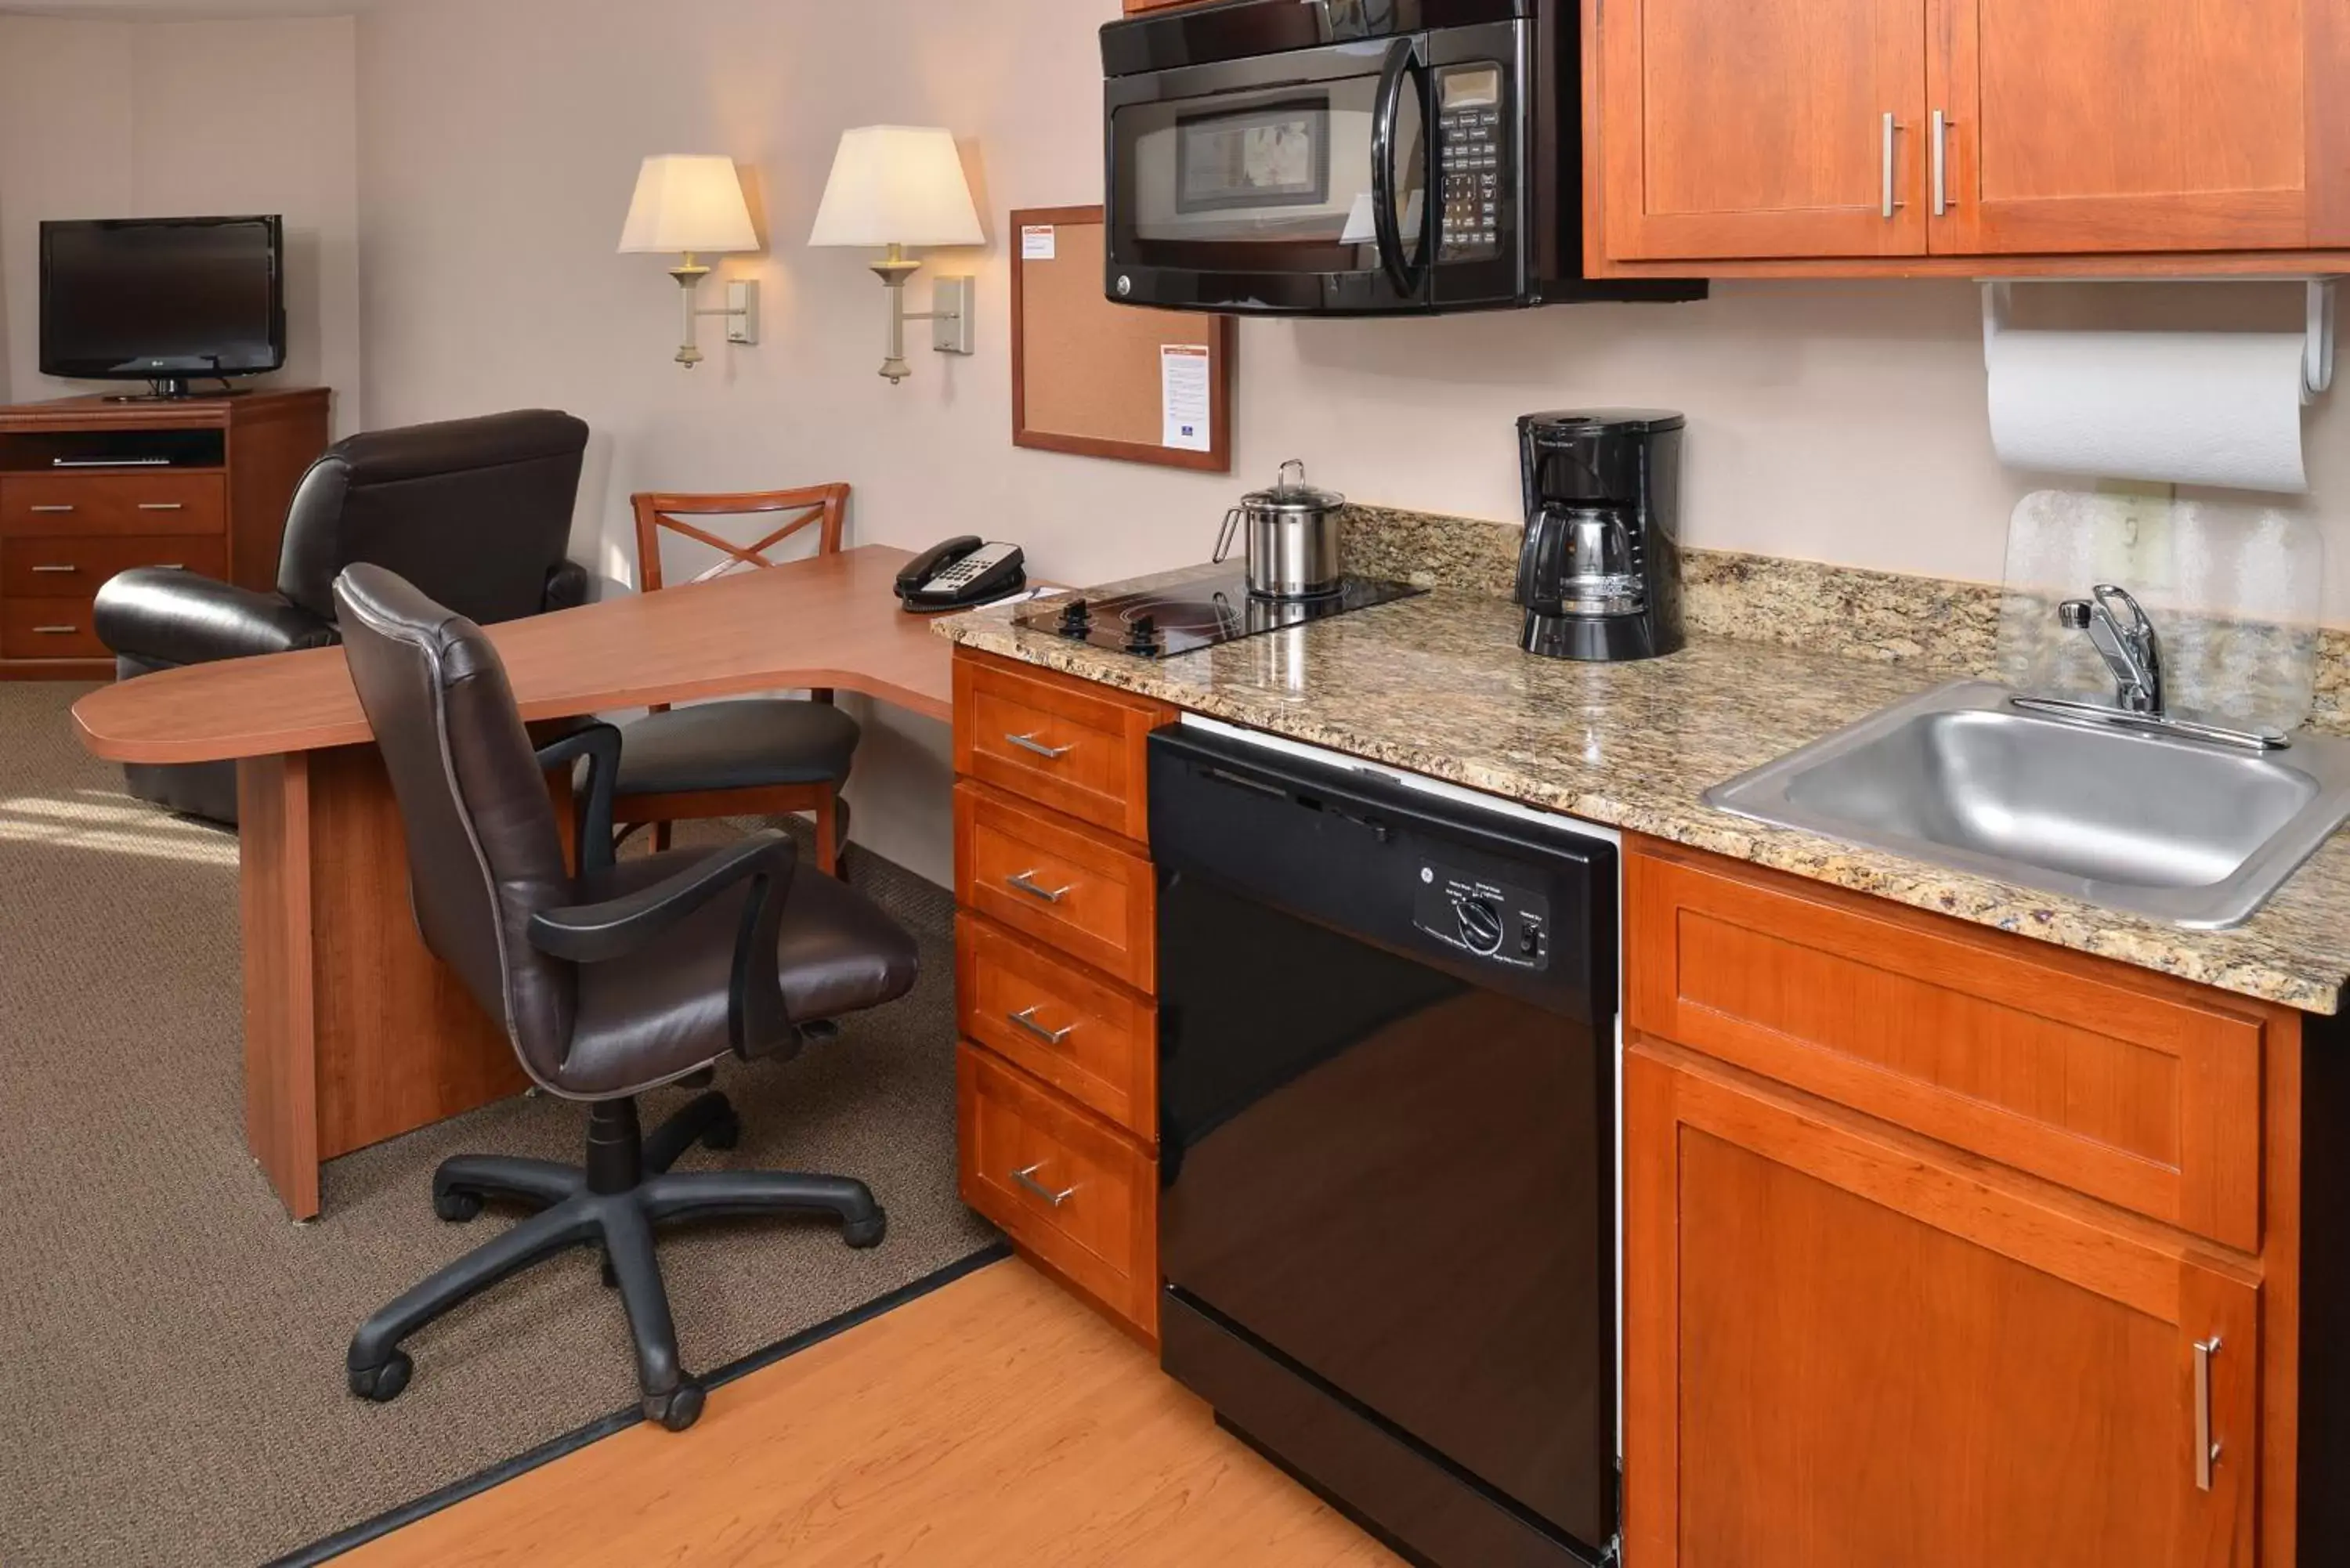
x=2317, y=356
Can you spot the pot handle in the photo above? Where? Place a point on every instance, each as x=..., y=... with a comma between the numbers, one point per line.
x=1224, y=538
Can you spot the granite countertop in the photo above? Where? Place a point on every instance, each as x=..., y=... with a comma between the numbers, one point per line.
x=1437, y=685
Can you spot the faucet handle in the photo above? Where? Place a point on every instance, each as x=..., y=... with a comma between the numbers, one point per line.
x=2074, y=615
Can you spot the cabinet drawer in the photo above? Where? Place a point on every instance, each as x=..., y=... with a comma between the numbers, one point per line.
x=2126, y=1088
x=1070, y=744
x=1062, y=885
x=48, y=628
x=63, y=566
x=1062, y=1185
x=1094, y=1042
x=47, y=505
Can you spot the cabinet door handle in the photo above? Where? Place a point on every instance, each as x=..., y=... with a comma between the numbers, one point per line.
x=56, y=630
x=1025, y=882
x=162, y=506
x=1026, y=1018
x=2207, y=1451
x=1028, y=1178
x=47, y=567
x=1029, y=742
x=52, y=506
x=1892, y=128
x=1941, y=163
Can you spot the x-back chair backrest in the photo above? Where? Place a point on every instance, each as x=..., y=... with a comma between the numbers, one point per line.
x=821, y=506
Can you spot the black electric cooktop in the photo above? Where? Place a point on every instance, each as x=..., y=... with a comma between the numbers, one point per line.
x=1196, y=615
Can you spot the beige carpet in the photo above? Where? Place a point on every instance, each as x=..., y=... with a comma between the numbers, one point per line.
x=171, y=1347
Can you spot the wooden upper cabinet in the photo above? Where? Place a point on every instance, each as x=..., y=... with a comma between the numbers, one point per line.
x=1754, y=134
x=1844, y=1351
x=1761, y=129
x=2135, y=124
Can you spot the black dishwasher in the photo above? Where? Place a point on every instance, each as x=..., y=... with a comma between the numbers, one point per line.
x=1386, y=1125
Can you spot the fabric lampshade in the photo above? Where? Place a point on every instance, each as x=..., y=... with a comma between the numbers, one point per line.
x=896, y=184
x=689, y=202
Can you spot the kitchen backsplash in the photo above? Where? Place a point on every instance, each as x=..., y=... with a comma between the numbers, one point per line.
x=1846, y=611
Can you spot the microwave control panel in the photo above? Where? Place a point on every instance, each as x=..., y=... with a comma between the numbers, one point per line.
x=1470, y=151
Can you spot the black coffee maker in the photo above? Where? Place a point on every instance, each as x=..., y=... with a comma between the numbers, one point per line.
x=1599, y=574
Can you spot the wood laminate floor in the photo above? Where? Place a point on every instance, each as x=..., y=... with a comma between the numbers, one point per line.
x=993, y=1422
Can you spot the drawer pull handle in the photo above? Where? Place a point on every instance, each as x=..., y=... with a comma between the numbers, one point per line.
x=162, y=506
x=2207, y=1451
x=52, y=506
x=1029, y=742
x=1025, y=882
x=1026, y=1018
x=1028, y=1178
x=56, y=630
x=48, y=567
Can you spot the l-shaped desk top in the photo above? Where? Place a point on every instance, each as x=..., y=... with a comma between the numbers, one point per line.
x=829, y=620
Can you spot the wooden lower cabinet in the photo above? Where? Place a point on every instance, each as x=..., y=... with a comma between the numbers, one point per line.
x=1846, y=1353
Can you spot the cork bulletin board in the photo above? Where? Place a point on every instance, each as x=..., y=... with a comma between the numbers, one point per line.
x=1109, y=381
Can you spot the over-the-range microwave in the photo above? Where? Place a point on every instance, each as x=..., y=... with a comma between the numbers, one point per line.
x=1350, y=158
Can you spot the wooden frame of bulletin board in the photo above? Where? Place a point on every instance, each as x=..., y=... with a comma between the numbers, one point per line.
x=1096, y=378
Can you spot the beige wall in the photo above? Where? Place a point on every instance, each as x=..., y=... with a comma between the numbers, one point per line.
x=168, y=119
x=499, y=138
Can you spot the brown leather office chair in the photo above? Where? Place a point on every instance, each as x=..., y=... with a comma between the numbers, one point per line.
x=744, y=756
x=477, y=510
x=619, y=979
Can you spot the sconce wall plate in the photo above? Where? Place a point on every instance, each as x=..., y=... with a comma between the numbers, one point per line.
x=956, y=308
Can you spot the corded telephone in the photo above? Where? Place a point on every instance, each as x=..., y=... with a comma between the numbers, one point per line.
x=957, y=573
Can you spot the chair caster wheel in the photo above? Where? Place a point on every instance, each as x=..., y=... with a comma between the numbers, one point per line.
x=722, y=1134
x=866, y=1232
x=457, y=1206
x=383, y=1384
x=677, y=1409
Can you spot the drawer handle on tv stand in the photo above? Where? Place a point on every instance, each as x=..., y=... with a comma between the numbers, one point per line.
x=162, y=506
x=1028, y=1178
x=52, y=507
x=47, y=568
x=55, y=631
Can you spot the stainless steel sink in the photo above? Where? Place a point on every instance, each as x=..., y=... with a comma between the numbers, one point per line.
x=2192, y=832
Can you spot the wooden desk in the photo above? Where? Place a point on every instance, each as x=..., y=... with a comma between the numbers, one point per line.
x=353, y=1032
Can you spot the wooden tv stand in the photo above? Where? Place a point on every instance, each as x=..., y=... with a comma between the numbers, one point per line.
x=90, y=487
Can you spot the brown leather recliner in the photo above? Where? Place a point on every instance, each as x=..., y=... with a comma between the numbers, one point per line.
x=475, y=512
x=621, y=978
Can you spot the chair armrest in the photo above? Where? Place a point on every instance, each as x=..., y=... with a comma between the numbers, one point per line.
x=167, y=617
x=568, y=587
x=600, y=745
x=596, y=933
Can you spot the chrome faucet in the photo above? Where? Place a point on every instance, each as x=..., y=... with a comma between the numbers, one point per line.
x=2132, y=651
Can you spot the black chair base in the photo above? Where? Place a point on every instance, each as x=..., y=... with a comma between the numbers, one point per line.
x=614, y=1202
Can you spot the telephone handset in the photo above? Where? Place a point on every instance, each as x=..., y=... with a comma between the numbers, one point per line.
x=957, y=573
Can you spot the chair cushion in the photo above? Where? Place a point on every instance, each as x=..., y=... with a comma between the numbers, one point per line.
x=661, y=1012
x=743, y=744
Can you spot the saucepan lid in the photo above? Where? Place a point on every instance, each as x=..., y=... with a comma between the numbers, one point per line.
x=1290, y=492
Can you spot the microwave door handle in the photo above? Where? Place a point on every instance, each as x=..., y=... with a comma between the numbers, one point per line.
x=1402, y=59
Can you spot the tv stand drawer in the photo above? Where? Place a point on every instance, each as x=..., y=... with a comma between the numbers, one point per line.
x=73, y=566
x=56, y=504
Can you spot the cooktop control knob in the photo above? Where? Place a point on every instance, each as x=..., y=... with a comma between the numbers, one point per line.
x=1076, y=619
x=1142, y=634
x=1480, y=925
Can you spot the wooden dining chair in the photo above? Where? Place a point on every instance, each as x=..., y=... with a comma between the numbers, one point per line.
x=745, y=756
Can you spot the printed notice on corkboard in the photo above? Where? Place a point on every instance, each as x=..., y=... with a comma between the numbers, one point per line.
x=1100, y=378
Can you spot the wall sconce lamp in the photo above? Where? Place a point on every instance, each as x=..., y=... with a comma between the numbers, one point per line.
x=692, y=203
x=899, y=185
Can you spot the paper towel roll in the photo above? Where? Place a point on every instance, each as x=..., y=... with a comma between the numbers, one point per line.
x=2188, y=408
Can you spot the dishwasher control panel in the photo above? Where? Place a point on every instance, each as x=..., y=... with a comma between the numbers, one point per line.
x=1477, y=915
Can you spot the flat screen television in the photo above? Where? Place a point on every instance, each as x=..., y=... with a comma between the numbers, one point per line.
x=167, y=301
